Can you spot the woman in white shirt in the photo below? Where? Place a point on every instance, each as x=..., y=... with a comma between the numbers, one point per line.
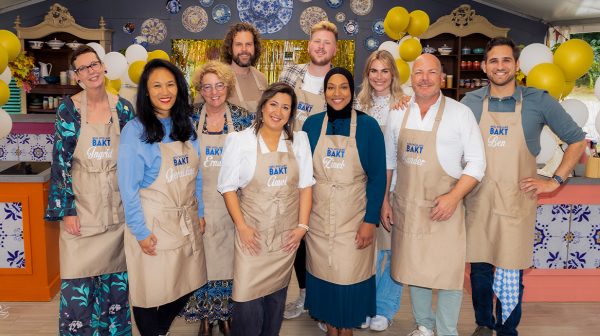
x=271, y=166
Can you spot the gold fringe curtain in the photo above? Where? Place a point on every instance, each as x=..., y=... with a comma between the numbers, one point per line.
x=189, y=54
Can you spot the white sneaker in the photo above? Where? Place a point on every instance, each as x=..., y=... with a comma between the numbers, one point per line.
x=422, y=331
x=380, y=323
x=296, y=307
x=322, y=326
x=366, y=324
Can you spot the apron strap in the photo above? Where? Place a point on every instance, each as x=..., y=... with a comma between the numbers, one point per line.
x=353, y=117
x=228, y=119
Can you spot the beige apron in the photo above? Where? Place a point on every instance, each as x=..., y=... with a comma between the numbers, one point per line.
x=308, y=104
x=383, y=236
x=338, y=210
x=425, y=253
x=270, y=204
x=171, y=212
x=500, y=217
x=99, y=248
x=220, y=230
x=239, y=100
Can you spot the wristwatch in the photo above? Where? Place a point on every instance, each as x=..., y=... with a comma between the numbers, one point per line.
x=558, y=179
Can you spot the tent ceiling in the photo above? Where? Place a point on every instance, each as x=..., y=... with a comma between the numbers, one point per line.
x=9, y=5
x=555, y=12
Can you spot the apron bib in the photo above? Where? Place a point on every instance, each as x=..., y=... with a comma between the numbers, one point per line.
x=338, y=210
x=425, y=253
x=500, y=218
x=171, y=213
x=99, y=249
x=270, y=204
x=239, y=100
x=308, y=104
x=220, y=230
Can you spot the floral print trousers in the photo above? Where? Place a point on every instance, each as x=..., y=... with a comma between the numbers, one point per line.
x=96, y=305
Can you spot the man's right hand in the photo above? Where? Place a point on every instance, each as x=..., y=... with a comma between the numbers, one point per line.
x=72, y=225
x=386, y=215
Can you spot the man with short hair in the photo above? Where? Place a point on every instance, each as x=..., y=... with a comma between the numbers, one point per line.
x=307, y=81
x=241, y=48
x=501, y=212
x=426, y=144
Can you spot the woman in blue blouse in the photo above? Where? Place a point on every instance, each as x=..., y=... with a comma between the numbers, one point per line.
x=349, y=168
x=84, y=196
x=162, y=195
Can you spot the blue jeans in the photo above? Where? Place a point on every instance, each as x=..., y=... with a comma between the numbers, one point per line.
x=389, y=292
x=482, y=279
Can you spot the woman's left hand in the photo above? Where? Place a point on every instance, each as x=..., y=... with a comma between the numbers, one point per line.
x=364, y=235
x=202, y=224
x=292, y=241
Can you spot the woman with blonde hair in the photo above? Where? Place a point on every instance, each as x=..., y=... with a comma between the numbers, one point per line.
x=215, y=82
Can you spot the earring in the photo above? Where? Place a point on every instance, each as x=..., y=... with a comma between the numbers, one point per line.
x=105, y=71
x=78, y=81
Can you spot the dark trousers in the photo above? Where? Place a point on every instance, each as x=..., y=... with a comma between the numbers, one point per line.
x=156, y=321
x=482, y=279
x=259, y=317
x=300, y=265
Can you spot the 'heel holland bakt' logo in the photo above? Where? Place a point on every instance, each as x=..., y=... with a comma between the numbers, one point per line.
x=99, y=149
x=181, y=168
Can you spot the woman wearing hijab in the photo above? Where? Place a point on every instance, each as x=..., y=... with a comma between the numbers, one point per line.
x=350, y=172
x=158, y=170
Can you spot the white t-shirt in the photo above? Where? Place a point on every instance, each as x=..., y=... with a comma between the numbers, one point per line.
x=313, y=84
x=239, y=159
x=458, y=138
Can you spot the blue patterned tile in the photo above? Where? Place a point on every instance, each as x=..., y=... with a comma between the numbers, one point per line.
x=584, y=217
x=12, y=246
x=553, y=219
x=551, y=252
x=583, y=253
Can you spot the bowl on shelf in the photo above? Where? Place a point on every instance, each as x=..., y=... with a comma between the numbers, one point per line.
x=465, y=50
x=444, y=50
x=55, y=44
x=428, y=50
x=52, y=79
x=478, y=51
x=36, y=44
x=74, y=45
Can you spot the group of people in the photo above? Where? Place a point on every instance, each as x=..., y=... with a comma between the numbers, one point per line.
x=203, y=209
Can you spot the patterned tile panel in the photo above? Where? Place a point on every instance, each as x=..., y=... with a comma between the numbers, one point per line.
x=26, y=147
x=12, y=247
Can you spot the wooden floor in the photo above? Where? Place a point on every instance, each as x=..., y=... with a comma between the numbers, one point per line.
x=548, y=319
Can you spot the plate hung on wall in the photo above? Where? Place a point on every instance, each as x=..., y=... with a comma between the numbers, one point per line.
x=154, y=30
x=311, y=16
x=334, y=3
x=377, y=27
x=361, y=7
x=268, y=16
x=372, y=43
x=340, y=17
x=221, y=13
x=206, y=3
x=194, y=19
x=129, y=28
x=173, y=6
x=351, y=27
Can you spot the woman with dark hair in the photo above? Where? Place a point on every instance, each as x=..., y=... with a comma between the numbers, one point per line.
x=162, y=196
x=270, y=168
x=84, y=196
x=350, y=171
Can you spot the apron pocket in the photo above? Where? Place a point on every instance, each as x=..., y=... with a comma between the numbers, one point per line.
x=117, y=217
x=413, y=218
x=508, y=200
x=168, y=233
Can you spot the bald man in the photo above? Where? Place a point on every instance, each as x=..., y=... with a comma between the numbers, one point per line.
x=425, y=143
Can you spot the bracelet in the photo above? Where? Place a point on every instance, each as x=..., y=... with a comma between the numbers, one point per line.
x=304, y=226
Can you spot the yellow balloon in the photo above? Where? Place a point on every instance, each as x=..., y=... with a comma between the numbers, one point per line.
x=3, y=60
x=574, y=58
x=389, y=32
x=11, y=44
x=410, y=49
x=158, y=54
x=418, y=24
x=403, y=69
x=547, y=76
x=4, y=93
x=135, y=71
x=567, y=89
x=112, y=86
x=397, y=18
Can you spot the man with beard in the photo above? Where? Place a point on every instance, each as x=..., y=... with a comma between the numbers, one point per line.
x=501, y=211
x=307, y=79
x=241, y=49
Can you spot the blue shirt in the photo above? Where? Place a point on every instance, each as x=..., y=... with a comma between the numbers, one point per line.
x=538, y=109
x=371, y=151
x=138, y=166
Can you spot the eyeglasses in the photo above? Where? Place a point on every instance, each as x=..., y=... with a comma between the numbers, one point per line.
x=94, y=66
x=218, y=86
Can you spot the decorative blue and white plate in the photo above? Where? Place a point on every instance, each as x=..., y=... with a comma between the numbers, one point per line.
x=268, y=16
x=378, y=27
x=194, y=19
x=221, y=13
x=361, y=7
x=340, y=17
x=173, y=6
x=334, y=3
x=372, y=43
x=155, y=30
x=311, y=16
x=129, y=28
x=141, y=40
x=206, y=3
x=351, y=27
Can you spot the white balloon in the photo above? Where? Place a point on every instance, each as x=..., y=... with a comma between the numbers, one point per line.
x=548, y=145
x=126, y=81
x=6, y=75
x=99, y=50
x=597, y=122
x=116, y=65
x=392, y=47
x=577, y=110
x=534, y=54
x=5, y=123
x=136, y=52
x=597, y=88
